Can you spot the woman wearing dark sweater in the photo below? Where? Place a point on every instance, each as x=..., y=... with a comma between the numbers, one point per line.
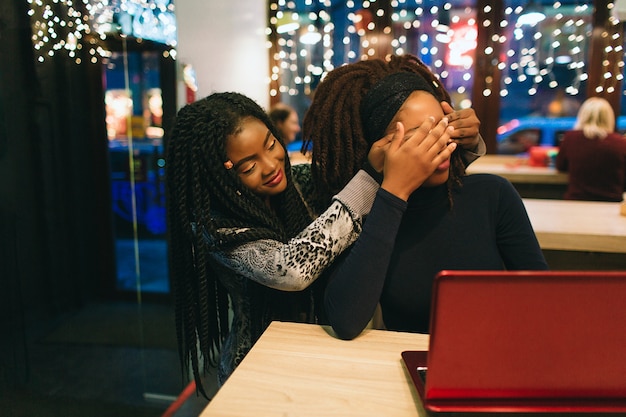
x=594, y=155
x=452, y=221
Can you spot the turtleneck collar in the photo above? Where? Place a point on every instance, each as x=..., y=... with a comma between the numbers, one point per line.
x=429, y=197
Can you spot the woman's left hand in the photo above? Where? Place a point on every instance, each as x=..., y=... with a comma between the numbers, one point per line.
x=466, y=125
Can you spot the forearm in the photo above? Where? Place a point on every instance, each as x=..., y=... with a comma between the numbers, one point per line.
x=294, y=265
x=358, y=277
x=359, y=194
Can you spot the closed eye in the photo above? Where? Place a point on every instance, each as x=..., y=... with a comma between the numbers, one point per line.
x=249, y=169
x=409, y=133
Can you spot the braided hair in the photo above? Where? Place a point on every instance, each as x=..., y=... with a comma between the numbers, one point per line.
x=334, y=128
x=205, y=198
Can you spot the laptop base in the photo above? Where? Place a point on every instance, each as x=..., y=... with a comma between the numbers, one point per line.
x=416, y=361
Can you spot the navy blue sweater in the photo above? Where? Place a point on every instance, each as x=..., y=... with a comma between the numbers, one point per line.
x=404, y=244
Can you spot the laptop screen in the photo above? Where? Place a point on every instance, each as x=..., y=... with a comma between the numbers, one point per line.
x=527, y=335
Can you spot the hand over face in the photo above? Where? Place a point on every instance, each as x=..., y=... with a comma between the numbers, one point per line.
x=466, y=125
x=409, y=161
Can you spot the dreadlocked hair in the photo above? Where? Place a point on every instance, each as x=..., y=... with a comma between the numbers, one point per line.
x=333, y=129
x=203, y=198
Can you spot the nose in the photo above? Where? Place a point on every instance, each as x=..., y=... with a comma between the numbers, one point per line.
x=270, y=164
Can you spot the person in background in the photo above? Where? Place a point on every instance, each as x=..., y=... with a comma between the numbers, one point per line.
x=594, y=155
x=285, y=118
x=242, y=240
x=452, y=221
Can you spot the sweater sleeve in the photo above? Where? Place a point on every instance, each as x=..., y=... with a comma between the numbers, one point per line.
x=357, y=278
x=294, y=265
x=470, y=156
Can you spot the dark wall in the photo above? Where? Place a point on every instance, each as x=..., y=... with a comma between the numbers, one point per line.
x=56, y=245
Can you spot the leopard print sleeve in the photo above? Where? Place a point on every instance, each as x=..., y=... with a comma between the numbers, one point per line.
x=294, y=265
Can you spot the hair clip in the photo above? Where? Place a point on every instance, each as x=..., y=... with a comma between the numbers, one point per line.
x=228, y=164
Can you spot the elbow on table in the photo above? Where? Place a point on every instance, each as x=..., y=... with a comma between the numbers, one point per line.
x=345, y=322
x=345, y=332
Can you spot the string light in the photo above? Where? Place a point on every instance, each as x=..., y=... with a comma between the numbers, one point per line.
x=444, y=37
x=61, y=26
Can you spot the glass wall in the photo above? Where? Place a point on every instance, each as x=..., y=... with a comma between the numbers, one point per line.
x=541, y=51
x=311, y=38
x=134, y=113
x=544, y=73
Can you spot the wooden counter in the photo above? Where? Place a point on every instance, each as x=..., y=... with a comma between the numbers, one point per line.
x=302, y=370
x=517, y=170
x=578, y=225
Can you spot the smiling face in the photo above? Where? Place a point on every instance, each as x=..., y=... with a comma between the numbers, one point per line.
x=258, y=158
x=414, y=111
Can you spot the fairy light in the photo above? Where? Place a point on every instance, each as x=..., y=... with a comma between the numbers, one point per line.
x=529, y=59
x=59, y=26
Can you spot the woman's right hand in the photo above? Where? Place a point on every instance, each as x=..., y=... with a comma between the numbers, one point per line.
x=409, y=161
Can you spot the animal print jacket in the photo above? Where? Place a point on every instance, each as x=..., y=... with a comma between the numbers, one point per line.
x=291, y=266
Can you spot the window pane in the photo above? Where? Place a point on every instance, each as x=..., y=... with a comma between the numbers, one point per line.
x=544, y=76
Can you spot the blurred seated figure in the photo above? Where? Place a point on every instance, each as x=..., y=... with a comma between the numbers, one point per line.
x=285, y=118
x=594, y=155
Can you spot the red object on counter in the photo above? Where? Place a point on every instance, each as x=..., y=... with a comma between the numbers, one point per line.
x=542, y=156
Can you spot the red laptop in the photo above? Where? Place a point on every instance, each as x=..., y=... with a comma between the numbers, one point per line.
x=524, y=341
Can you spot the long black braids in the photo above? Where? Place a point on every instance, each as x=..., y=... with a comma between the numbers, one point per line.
x=203, y=198
x=333, y=129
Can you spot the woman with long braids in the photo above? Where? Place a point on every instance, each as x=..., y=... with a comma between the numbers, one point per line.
x=242, y=239
x=452, y=221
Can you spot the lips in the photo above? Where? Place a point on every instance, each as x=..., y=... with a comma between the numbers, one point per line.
x=444, y=165
x=276, y=179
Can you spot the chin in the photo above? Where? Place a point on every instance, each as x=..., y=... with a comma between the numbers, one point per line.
x=438, y=178
x=282, y=187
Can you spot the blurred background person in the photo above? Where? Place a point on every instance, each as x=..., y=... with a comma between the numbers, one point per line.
x=594, y=155
x=286, y=120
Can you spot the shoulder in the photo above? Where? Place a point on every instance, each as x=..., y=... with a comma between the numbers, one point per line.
x=491, y=192
x=489, y=184
x=616, y=138
x=303, y=180
x=484, y=179
x=573, y=135
x=301, y=173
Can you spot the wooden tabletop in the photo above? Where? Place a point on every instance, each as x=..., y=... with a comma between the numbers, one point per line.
x=578, y=225
x=517, y=170
x=303, y=370
x=514, y=168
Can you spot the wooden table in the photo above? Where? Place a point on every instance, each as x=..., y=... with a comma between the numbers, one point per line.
x=578, y=225
x=530, y=181
x=303, y=370
x=517, y=170
x=513, y=168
